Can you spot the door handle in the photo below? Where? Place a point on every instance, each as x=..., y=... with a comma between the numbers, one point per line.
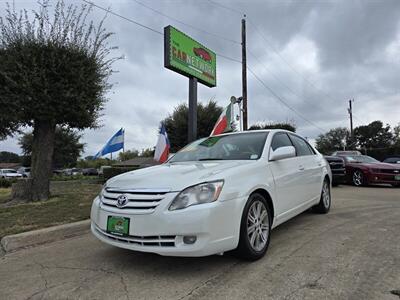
x=301, y=168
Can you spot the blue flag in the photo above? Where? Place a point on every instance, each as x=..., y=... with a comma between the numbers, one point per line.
x=114, y=144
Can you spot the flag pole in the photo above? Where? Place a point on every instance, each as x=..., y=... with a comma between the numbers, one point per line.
x=123, y=145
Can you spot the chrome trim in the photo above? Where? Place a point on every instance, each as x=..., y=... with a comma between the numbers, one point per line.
x=138, y=190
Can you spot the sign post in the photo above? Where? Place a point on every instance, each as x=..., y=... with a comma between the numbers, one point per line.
x=192, y=118
x=188, y=57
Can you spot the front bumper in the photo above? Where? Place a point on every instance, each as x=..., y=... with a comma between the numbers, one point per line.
x=216, y=226
x=383, y=178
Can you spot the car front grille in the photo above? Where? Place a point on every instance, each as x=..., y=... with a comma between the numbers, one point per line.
x=145, y=241
x=336, y=165
x=143, y=201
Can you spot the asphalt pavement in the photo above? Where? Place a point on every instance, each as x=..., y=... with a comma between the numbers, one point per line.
x=351, y=253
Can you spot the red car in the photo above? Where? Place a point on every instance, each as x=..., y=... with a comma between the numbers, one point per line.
x=365, y=170
x=202, y=53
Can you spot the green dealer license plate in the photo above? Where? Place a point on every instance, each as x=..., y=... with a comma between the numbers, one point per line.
x=118, y=225
x=396, y=177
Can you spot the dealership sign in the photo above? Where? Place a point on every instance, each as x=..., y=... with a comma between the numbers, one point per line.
x=188, y=57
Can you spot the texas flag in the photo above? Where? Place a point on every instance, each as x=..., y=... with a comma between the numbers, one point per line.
x=162, y=147
x=224, y=121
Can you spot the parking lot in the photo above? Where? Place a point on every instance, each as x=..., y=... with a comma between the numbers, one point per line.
x=351, y=253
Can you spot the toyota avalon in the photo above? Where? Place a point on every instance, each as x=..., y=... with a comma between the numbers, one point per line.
x=217, y=194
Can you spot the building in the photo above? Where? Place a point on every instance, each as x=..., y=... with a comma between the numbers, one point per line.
x=137, y=162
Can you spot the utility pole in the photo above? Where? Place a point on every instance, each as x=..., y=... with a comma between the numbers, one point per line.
x=350, y=111
x=192, y=122
x=244, y=74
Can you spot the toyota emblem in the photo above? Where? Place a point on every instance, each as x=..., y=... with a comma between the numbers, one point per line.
x=122, y=200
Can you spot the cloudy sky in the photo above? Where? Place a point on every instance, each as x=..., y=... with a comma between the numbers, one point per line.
x=313, y=55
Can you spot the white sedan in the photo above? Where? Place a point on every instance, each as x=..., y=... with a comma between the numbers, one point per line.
x=217, y=194
x=9, y=174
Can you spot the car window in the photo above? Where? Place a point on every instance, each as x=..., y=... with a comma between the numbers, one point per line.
x=241, y=146
x=392, y=160
x=280, y=140
x=302, y=147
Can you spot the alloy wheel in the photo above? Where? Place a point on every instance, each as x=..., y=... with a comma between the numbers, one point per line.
x=326, y=195
x=258, y=225
x=357, y=178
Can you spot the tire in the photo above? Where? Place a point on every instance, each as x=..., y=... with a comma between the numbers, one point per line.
x=358, y=178
x=325, y=201
x=395, y=185
x=258, y=215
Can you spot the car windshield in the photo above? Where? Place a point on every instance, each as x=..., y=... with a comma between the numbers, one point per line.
x=246, y=146
x=9, y=171
x=360, y=159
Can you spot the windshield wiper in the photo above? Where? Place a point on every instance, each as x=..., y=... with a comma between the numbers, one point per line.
x=210, y=158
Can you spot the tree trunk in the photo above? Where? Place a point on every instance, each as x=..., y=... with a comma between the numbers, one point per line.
x=42, y=160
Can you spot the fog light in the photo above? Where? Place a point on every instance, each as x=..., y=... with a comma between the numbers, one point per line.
x=189, y=239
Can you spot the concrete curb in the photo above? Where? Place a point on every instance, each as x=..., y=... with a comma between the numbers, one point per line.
x=15, y=242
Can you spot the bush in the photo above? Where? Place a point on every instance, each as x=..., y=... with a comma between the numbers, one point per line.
x=381, y=154
x=5, y=183
x=114, y=171
x=72, y=177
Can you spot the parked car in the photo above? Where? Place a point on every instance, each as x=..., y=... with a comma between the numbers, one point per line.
x=217, y=194
x=101, y=169
x=72, y=172
x=9, y=174
x=365, y=170
x=24, y=171
x=338, y=169
x=343, y=153
x=392, y=160
x=76, y=171
x=90, y=171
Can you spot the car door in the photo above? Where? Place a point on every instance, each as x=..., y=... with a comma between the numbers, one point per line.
x=311, y=167
x=287, y=177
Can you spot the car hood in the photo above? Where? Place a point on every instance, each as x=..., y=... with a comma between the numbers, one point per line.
x=175, y=176
x=379, y=165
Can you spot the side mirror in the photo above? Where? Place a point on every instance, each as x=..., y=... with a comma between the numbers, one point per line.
x=282, y=153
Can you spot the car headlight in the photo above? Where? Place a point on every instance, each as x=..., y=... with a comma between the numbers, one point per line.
x=101, y=195
x=202, y=193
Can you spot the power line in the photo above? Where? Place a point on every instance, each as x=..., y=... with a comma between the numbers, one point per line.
x=221, y=55
x=281, y=81
x=283, y=101
x=125, y=18
x=186, y=24
x=287, y=62
x=227, y=7
x=149, y=28
x=273, y=48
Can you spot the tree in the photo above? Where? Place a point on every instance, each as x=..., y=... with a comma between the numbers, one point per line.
x=396, y=135
x=67, y=147
x=129, y=154
x=94, y=163
x=9, y=157
x=374, y=135
x=176, y=123
x=53, y=71
x=261, y=125
x=335, y=139
x=148, y=152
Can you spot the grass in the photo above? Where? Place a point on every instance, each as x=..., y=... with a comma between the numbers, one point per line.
x=5, y=194
x=70, y=206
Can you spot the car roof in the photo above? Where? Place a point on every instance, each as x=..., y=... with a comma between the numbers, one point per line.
x=257, y=130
